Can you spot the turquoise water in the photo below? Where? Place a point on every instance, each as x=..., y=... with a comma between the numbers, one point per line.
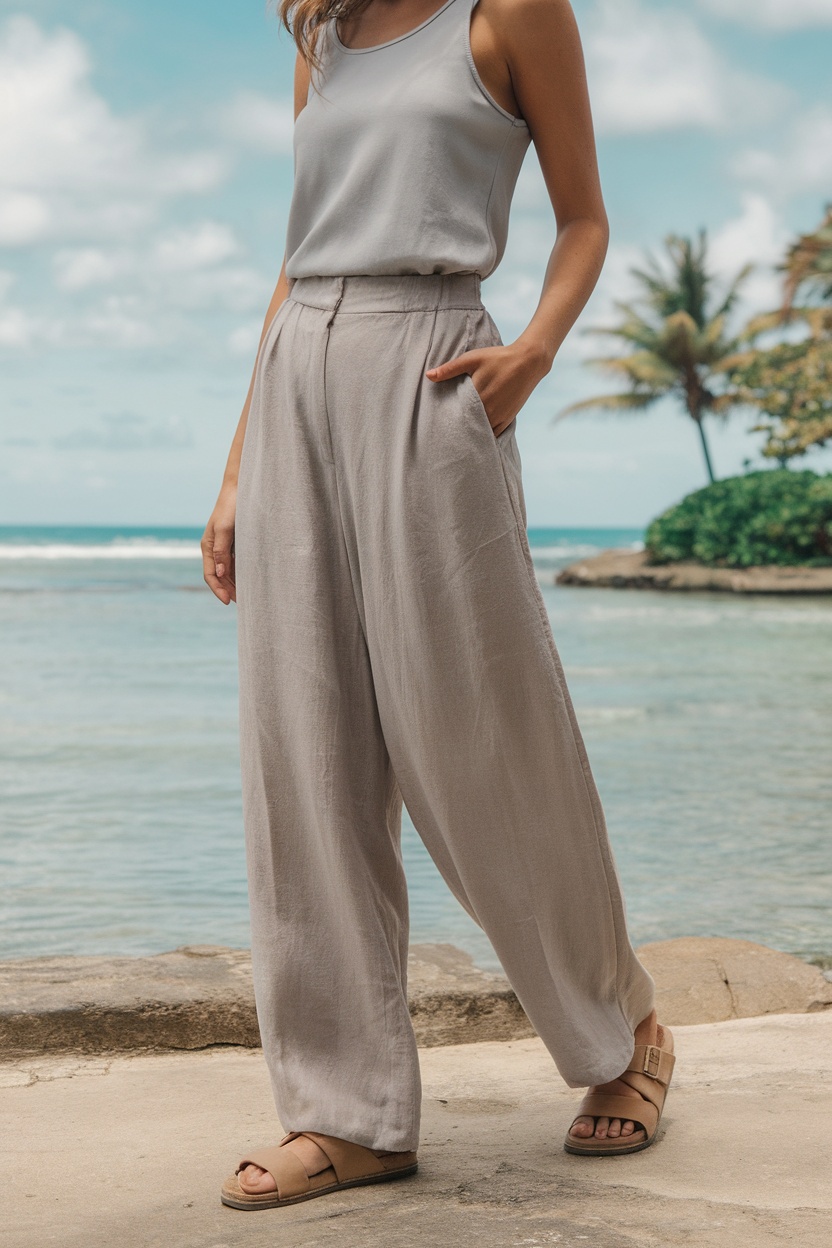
x=706, y=718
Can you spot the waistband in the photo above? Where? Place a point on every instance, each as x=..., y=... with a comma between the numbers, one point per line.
x=393, y=292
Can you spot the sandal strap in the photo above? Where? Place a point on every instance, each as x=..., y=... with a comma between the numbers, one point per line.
x=348, y=1160
x=627, y=1108
x=285, y=1167
x=655, y=1063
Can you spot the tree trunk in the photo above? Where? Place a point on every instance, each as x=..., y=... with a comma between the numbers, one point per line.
x=705, y=451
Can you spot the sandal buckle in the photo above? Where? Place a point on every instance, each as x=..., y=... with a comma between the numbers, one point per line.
x=652, y=1061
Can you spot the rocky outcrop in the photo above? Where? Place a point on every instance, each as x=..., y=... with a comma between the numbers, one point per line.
x=201, y=996
x=627, y=569
x=709, y=980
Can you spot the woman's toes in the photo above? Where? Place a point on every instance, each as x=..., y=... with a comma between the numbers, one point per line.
x=253, y=1179
x=582, y=1128
x=602, y=1126
x=248, y=1177
x=614, y=1128
x=627, y=1128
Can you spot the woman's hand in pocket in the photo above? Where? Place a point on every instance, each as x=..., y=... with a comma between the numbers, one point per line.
x=218, y=547
x=503, y=376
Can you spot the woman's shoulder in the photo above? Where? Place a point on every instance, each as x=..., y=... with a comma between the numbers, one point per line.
x=529, y=27
x=525, y=19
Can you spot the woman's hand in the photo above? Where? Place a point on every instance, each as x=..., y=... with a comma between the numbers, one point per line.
x=503, y=376
x=218, y=546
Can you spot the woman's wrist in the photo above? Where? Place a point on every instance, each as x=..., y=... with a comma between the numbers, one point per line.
x=537, y=352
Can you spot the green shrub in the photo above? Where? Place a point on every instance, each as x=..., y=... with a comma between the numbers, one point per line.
x=775, y=516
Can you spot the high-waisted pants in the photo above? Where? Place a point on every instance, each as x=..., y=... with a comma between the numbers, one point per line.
x=393, y=645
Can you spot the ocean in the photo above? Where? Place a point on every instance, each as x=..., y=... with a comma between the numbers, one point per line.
x=706, y=717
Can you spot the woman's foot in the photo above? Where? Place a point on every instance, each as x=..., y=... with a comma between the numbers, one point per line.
x=305, y=1165
x=255, y=1181
x=584, y=1127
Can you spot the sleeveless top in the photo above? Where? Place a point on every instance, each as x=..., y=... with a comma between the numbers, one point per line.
x=404, y=163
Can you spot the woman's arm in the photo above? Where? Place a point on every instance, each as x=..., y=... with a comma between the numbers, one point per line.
x=218, y=538
x=533, y=57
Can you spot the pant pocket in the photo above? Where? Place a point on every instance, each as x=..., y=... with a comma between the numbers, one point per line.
x=481, y=414
x=482, y=332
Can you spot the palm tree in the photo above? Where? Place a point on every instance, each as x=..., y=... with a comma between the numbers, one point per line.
x=677, y=342
x=790, y=383
x=809, y=263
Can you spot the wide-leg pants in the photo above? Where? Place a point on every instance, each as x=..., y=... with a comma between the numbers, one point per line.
x=394, y=644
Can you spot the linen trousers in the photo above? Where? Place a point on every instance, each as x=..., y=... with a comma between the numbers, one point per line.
x=394, y=646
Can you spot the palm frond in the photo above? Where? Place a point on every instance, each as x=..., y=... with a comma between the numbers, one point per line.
x=608, y=402
x=730, y=297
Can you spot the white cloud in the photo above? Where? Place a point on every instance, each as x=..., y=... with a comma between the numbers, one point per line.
x=776, y=14
x=181, y=268
x=654, y=70
x=127, y=431
x=24, y=217
x=260, y=122
x=233, y=288
x=615, y=283
x=117, y=321
x=54, y=130
x=145, y=295
x=16, y=328
x=69, y=164
x=197, y=247
x=802, y=163
x=93, y=185
x=244, y=339
x=80, y=267
x=758, y=236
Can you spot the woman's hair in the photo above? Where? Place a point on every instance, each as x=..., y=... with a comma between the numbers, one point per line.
x=304, y=20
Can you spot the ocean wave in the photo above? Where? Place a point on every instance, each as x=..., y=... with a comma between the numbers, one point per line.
x=573, y=550
x=137, y=548
x=154, y=548
x=610, y=714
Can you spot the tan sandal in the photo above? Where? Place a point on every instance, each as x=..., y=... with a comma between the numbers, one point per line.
x=351, y=1166
x=649, y=1072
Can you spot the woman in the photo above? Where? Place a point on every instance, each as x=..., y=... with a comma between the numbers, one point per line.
x=393, y=641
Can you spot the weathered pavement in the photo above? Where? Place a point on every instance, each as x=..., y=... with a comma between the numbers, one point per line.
x=130, y=1151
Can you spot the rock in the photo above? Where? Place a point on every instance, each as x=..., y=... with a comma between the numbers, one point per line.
x=453, y=1002
x=627, y=569
x=190, y=998
x=202, y=995
x=708, y=980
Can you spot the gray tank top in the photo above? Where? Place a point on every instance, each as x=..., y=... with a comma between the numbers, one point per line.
x=404, y=163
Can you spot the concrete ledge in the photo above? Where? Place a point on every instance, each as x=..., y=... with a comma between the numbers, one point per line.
x=627, y=569
x=200, y=996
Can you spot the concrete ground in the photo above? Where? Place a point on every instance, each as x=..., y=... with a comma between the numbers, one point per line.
x=131, y=1151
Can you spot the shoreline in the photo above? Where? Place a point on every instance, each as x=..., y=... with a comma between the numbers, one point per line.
x=626, y=569
x=198, y=997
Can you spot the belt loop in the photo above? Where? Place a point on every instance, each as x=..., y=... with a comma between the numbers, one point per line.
x=341, y=284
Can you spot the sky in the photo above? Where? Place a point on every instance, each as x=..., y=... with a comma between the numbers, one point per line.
x=145, y=180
